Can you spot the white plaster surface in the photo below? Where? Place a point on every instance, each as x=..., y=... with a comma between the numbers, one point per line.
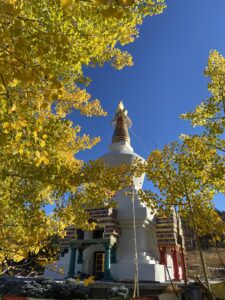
x=148, y=255
x=53, y=271
x=170, y=268
x=147, y=272
x=88, y=258
x=122, y=154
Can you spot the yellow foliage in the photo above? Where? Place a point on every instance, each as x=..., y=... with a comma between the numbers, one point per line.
x=210, y=113
x=66, y=3
x=188, y=174
x=126, y=2
x=45, y=47
x=184, y=175
x=89, y=280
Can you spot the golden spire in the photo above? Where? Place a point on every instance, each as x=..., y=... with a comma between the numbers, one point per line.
x=121, y=122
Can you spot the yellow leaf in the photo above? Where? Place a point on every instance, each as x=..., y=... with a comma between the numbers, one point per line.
x=112, y=12
x=18, y=136
x=126, y=2
x=13, y=108
x=101, y=1
x=44, y=105
x=42, y=143
x=86, y=282
x=46, y=161
x=66, y=3
x=5, y=124
x=23, y=123
x=35, y=135
x=37, y=153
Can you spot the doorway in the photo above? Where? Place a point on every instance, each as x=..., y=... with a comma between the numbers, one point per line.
x=99, y=259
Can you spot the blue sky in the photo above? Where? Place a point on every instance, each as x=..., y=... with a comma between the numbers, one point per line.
x=166, y=79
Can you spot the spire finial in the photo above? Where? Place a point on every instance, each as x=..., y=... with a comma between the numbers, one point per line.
x=121, y=122
x=120, y=106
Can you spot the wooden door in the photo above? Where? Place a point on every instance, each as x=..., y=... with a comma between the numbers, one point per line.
x=99, y=259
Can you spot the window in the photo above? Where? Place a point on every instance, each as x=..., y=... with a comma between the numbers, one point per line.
x=98, y=234
x=80, y=234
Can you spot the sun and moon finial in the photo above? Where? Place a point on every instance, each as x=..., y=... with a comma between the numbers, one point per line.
x=121, y=112
x=121, y=122
x=120, y=105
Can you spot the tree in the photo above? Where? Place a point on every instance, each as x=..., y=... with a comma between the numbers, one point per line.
x=210, y=115
x=188, y=174
x=180, y=172
x=183, y=175
x=45, y=46
x=194, y=167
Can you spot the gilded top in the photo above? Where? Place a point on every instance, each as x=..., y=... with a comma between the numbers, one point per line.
x=121, y=122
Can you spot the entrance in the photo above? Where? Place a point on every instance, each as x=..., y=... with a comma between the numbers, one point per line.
x=99, y=258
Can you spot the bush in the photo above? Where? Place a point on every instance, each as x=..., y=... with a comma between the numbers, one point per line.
x=43, y=288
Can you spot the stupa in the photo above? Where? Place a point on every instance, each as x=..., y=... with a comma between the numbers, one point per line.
x=108, y=252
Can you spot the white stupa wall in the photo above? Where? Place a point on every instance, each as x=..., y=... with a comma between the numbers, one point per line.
x=59, y=269
x=170, y=269
x=88, y=258
x=148, y=253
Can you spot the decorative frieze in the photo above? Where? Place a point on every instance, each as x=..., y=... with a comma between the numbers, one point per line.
x=105, y=218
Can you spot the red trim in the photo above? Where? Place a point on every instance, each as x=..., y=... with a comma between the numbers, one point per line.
x=175, y=265
x=183, y=266
x=162, y=252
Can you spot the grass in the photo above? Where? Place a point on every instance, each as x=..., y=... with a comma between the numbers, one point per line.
x=212, y=260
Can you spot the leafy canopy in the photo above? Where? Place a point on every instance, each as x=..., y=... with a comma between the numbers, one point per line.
x=183, y=174
x=188, y=174
x=45, y=47
x=210, y=113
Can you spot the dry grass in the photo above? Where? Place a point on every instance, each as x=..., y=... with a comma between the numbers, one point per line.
x=212, y=260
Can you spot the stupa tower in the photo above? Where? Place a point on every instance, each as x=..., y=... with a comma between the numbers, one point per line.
x=121, y=152
x=121, y=122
